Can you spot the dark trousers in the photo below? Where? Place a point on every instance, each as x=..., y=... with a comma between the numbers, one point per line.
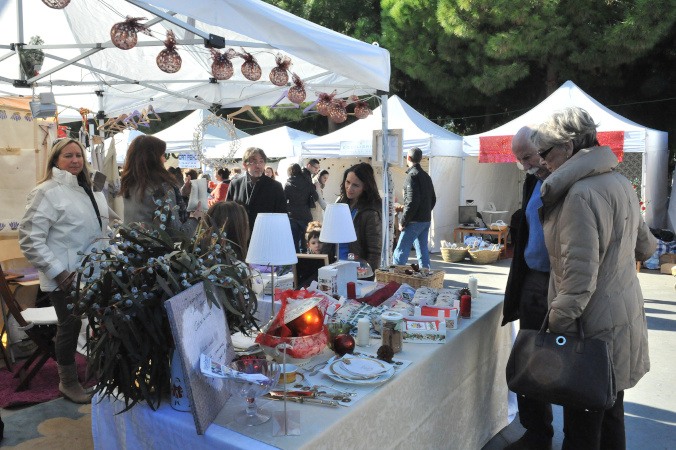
x=535, y=416
x=67, y=329
x=593, y=430
x=298, y=229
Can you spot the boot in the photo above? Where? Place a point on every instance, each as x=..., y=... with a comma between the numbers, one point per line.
x=70, y=386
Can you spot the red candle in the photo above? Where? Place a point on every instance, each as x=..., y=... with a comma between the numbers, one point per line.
x=351, y=291
x=465, y=306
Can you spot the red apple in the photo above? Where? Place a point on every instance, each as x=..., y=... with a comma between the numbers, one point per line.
x=343, y=343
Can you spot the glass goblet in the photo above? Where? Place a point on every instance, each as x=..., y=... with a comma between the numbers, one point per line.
x=249, y=390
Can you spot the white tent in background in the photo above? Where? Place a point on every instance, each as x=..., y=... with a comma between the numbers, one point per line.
x=443, y=148
x=620, y=133
x=282, y=142
x=179, y=136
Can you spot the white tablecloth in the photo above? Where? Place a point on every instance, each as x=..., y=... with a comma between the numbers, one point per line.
x=454, y=395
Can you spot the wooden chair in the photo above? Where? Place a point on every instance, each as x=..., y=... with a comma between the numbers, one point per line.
x=38, y=323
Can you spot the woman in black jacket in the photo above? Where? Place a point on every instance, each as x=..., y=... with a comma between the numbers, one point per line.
x=300, y=195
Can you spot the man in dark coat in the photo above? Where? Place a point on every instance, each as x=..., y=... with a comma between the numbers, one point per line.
x=256, y=192
x=299, y=193
x=527, y=284
x=311, y=169
x=419, y=200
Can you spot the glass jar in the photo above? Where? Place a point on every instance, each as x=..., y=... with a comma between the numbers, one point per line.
x=392, y=331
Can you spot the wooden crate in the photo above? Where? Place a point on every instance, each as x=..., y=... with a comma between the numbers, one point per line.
x=434, y=280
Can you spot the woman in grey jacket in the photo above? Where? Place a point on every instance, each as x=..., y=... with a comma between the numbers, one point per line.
x=62, y=221
x=145, y=181
x=594, y=234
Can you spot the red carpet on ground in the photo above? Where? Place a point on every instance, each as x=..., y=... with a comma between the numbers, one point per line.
x=43, y=387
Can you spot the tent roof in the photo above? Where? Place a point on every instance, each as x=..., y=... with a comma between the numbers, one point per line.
x=130, y=79
x=569, y=94
x=419, y=131
x=281, y=142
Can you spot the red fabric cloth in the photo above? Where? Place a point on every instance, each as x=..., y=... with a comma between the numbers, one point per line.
x=613, y=139
x=219, y=193
x=381, y=294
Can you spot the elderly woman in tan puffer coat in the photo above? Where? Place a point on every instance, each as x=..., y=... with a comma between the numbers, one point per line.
x=594, y=234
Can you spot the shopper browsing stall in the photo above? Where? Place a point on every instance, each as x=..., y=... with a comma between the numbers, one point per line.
x=301, y=196
x=62, y=221
x=230, y=221
x=222, y=185
x=320, y=183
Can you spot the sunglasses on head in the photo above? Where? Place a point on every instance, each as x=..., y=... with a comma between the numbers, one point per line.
x=543, y=154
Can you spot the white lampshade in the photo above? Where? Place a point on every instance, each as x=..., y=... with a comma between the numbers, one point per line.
x=337, y=227
x=271, y=241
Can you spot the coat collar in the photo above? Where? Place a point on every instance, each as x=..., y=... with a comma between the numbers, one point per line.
x=586, y=163
x=64, y=177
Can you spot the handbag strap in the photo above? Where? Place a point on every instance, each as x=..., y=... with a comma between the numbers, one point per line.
x=579, y=348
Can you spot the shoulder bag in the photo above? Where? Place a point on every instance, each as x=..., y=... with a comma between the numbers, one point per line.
x=570, y=371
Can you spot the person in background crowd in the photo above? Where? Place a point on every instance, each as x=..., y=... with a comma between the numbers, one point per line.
x=527, y=284
x=176, y=172
x=419, y=200
x=145, y=180
x=320, y=182
x=359, y=190
x=257, y=193
x=594, y=234
x=270, y=172
x=300, y=194
x=235, y=172
x=236, y=221
x=311, y=169
x=312, y=233
x=188, y=176
x=207, y=177
x=222, y=185
x=62, y=222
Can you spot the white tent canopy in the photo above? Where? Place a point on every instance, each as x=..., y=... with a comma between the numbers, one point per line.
x=420, y=132
x=282, y=142
x=129, y=80
x=637, y=138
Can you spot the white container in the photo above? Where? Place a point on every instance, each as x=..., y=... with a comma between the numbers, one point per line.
x=179, y=395
x=363, y=332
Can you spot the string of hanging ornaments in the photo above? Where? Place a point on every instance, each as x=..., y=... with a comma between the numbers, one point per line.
x=198, y=139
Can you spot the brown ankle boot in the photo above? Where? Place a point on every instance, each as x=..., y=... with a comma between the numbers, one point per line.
x=70, y=386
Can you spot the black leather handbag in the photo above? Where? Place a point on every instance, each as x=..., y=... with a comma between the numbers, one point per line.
x=564, y=370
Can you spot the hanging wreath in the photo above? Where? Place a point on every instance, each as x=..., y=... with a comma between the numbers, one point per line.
x=361, y=108
x=324, y=102
x=124, y=34
x=56, y=4
x=250, y=69
x=279, y=75
x=169, y=60
x=337, y=111
x=297, y=93
x=198, y=140
x=222, y=68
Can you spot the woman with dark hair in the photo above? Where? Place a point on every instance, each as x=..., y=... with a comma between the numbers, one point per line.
x=594, y=234
x=64, y=219
x=145, y=180
x=222, y=185
x=270, y=172
x=320, y=183
x=299, y=193
x=360, y=192
x=230, y=221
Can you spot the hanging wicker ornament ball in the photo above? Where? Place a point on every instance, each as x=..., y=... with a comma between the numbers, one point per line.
x=56, y=4
x=362, y=110
x=125, y=34
x=337, y=111
x=250, y=69
x=169, y=60
x=279, y=75
x=297, y=93
x=222, y=68
x=323, y=104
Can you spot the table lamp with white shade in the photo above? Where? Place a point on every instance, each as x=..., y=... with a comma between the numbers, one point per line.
x=272, y=245
x=337, y=227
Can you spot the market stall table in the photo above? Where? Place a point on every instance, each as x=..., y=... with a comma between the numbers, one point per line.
x=501, y=234
x=454, y=395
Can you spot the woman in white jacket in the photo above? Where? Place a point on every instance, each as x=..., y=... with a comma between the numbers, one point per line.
x=62, y=221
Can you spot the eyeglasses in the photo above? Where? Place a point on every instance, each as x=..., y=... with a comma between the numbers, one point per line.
x=543, y=154
x=255, y=163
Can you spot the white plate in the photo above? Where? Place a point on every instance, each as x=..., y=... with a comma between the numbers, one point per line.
x=375, y=380
x=360, y=367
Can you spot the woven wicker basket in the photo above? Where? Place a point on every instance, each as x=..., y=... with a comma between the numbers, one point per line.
x=434, y=280
x=454, y=254
x=485, y=256
x=496, y=227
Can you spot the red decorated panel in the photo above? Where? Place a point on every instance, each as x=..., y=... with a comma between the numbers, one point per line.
x=615, y=139
x=496, y=149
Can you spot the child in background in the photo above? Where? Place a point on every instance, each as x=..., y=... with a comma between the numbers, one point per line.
x=312, y=237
